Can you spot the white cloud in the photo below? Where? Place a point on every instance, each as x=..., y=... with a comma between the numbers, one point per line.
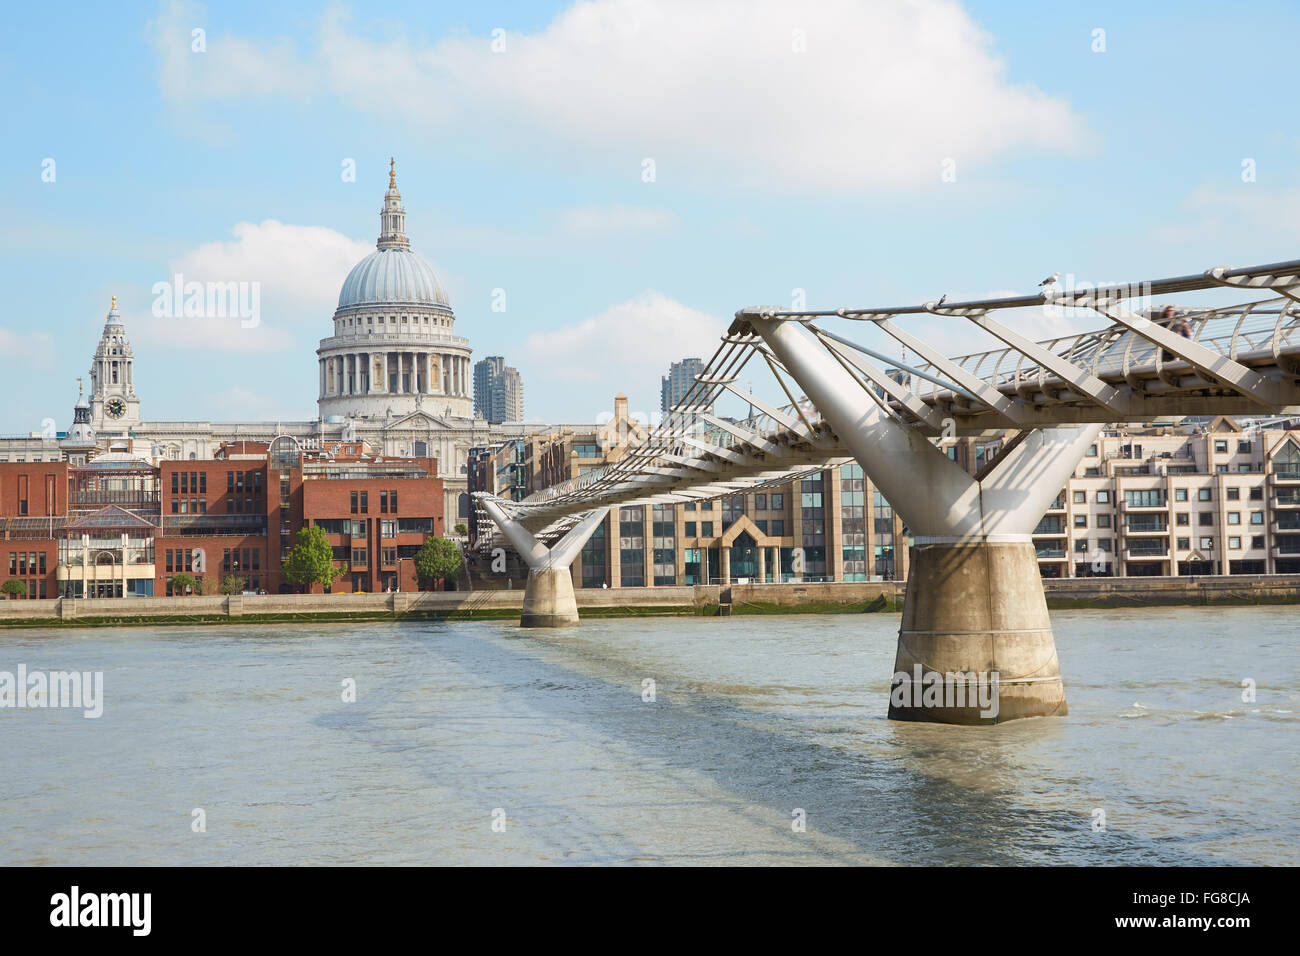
x=229, y=67
x=297, y=272
x=30, y=349
x=1247, y=208
x=603, y=220
x=623, y=349
x=882, y=95
x=300, y=268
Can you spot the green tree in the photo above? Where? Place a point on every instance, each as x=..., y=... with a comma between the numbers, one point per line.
x=183, y=582
x=232, y=585
x=461, y=529
x=438, y=560
x=14, y=588
x=312, y=560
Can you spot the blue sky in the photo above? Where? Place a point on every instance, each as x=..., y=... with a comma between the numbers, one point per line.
x=776, y=168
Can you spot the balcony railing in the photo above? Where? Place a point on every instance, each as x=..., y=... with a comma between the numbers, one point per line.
x=1286, y=474
x=1050, y=552
x=1050, y=525
x=1142, y=504
x=1147, y=549
x=1288, y=498
x=1143, y=524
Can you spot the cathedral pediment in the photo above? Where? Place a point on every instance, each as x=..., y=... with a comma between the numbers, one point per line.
x=418, y=420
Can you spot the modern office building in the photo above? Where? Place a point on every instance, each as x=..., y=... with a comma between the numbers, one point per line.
x=498, y=391
x=674, y=386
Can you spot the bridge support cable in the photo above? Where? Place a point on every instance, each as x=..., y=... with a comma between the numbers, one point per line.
x=549, y=600
x=975, y=599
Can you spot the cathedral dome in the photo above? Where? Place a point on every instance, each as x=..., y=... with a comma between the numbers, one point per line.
x=392, y=276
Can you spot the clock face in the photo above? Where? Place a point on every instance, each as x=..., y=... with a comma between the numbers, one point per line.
x=115, y=408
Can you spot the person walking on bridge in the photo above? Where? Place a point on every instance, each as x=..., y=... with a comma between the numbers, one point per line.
x=1175, y=323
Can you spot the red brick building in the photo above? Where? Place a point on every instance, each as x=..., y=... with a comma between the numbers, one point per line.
x=33, y=506
x=119, y=526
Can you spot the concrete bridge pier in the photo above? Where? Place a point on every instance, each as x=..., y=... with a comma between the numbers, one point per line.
x=975, y=645
x=548, y=596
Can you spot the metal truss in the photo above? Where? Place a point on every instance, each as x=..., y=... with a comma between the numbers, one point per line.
x=1240, y=359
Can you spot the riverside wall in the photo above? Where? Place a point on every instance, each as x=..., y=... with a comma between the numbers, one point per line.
x=701, y=600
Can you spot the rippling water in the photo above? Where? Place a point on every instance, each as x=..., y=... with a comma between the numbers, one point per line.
x=753, y=718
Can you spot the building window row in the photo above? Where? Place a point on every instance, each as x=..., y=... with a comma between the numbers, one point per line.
x=22, y=563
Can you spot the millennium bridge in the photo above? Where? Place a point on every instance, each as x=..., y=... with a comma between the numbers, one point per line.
x=974, y=599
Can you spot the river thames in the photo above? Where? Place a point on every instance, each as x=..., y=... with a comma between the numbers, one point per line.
x=757, y=723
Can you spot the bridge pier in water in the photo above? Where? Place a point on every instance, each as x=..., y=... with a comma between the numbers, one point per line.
x=975, y=627
x=549, y=600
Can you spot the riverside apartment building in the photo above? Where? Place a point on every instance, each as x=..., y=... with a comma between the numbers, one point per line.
x=1193, y=497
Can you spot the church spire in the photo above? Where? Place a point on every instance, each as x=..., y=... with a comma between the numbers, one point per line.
x=392, y=218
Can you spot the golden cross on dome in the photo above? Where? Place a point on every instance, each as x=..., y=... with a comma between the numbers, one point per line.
x=115, y=302
x=78, y=386
x=392, y=173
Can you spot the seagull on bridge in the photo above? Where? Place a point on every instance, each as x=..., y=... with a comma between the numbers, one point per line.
x=942, y=299
x=1050, y=280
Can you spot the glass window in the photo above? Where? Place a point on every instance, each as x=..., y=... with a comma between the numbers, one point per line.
x=1184, y=544
x=1234, y=517
x=1147, y=498
x=1204, y=518
x=778, y=502
x=631, y=544
x=1207, y=543
x=760, y=502
x=1103, y=497
x=1182, y=518
x=1203, y=494
x=1180, y=494
x=1234, y=494
x=1081, y=521
x=1080, y=497
x=1234, y=543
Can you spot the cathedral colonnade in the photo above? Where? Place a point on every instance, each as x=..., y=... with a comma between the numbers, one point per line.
x=395, y=372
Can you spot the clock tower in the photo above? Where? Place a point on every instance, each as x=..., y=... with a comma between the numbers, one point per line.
x=114, y=406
